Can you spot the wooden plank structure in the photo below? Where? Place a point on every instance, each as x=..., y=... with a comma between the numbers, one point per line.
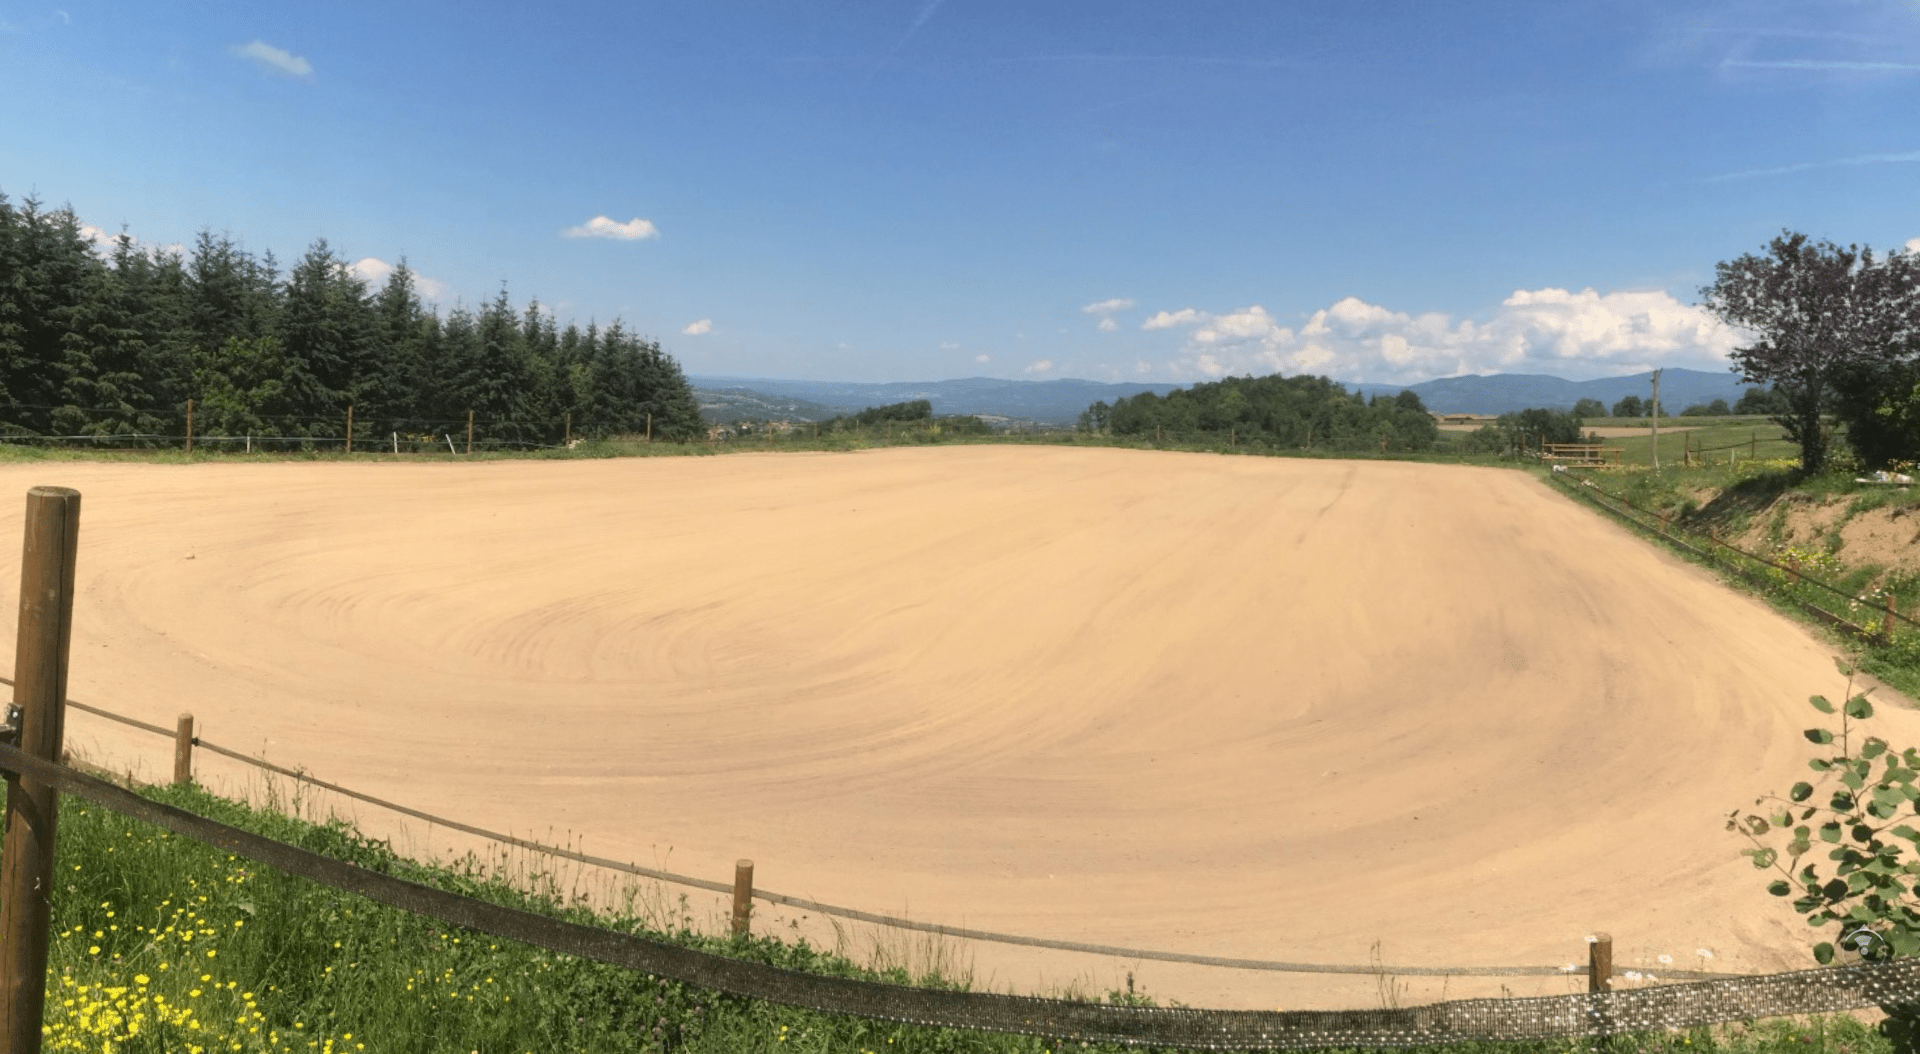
x=1583, y=453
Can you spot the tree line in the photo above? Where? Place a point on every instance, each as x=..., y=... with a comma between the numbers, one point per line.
x=1281, y=412
x=94, y=345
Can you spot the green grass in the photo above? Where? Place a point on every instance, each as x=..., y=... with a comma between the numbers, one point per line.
x=164, y=944
x=1726, y=439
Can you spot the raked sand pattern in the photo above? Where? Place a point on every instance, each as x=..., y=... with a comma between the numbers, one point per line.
x=1249, y=707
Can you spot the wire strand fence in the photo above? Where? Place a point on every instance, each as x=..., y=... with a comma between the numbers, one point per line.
x=852, y=914
x=1776, y=579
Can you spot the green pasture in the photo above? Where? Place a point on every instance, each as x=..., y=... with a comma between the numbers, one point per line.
x=1713, y=440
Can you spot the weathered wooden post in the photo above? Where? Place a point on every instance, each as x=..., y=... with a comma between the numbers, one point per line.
x=742, y=896
x=469, y=431
x=1886, y=627
x=183, y=751
x=40, y=691
x=349, y=428
x=1600, y=963
x=189, y=426
x=569, y=429
x=649, y=427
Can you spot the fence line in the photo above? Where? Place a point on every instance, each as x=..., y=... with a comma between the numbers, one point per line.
x=1596, y=1013
x=855, y=914
x=1794, y=573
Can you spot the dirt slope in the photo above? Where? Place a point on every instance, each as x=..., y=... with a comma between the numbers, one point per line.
x=1243, y=707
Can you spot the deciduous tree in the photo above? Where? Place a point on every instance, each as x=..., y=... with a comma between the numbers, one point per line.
x=1830, y=321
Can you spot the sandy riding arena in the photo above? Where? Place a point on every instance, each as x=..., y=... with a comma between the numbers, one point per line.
x=1244, y=707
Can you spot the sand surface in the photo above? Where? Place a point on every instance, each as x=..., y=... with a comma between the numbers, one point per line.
x=1232, y=706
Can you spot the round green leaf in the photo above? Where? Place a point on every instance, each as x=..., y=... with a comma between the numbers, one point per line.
x=1779, y=888
x=1801, y=791
x=1820, y=703
x=1818, y=735
x=1859, y=708
x=1823, y=953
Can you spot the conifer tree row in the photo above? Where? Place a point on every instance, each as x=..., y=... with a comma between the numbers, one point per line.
x=116, y=344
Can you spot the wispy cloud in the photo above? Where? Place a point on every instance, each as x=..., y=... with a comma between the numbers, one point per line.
x=633, y=230
x=275, y=60
x=1102, y=307
x=1868, y=159
x=983, y=358
x=698, y=328
x=1108, y=325
x=1824, y=64
x=1913, y=246
x=1039, y=366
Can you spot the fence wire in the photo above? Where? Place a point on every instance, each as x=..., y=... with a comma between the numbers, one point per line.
x=855, y=914
x=1587, y=489
x=1887, y=985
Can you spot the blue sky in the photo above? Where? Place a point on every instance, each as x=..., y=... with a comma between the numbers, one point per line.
x=927, y=189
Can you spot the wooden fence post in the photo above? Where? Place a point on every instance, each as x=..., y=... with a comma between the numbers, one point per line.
x=1600, y=963
x=40, y=690
x=183, y=751
x=469, y=431
x=569, y=437
x=349, y=428
x=742, y=896
x=1886, y=627
x=189, y=426
x=649, y=428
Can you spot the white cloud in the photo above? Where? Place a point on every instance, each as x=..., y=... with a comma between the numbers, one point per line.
x=1912, y=246
x=949, y=345
x=633, y=230
x=1555, y=331
x=1108, y=325
x=1039, y=366
x=275, y=60
x=101, y=239
x=983, y=358
x=698, y=328
x=374, y=271
x=1118, y=303
x=1170, y=319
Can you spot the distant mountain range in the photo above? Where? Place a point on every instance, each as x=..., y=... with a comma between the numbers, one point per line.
x=1059, y=402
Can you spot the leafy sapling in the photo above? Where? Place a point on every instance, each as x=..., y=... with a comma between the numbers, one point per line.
x=1862, y=806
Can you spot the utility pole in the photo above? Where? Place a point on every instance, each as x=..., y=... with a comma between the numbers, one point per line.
x=1655, y=418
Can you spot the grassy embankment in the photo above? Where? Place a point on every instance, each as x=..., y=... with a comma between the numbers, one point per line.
x=1862, y=538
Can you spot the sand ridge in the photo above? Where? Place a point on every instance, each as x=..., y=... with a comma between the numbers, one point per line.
x=1251, y=707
